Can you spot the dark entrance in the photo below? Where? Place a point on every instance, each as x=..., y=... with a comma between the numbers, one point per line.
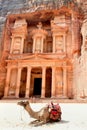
x=37, y=86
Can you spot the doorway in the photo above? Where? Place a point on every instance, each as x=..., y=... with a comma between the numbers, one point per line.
x=37, y=86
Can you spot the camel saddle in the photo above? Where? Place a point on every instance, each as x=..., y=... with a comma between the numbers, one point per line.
x=55, y=112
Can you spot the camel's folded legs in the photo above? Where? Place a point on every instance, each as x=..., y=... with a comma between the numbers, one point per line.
x=32, y=122
x=40, y=123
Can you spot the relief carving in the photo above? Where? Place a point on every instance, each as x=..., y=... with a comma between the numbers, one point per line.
x=17, y=45
x=38, y=44
x=59, y=43
x=20, y=23
x=59, y=21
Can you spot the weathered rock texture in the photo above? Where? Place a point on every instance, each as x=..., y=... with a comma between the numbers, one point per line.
x=43, y=47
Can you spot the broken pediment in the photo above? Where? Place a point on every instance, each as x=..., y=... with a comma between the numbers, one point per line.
x=59, y=19
x=59, y=23
x=19, y=27
x=19, y=23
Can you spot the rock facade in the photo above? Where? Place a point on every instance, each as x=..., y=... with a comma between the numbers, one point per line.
x=43, y=41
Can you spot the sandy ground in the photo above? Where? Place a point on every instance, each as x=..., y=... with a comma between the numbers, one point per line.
x=14, y=117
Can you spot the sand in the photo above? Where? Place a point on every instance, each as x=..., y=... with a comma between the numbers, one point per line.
x=14, y=117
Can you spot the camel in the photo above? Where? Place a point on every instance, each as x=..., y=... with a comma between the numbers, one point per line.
x=42, y=116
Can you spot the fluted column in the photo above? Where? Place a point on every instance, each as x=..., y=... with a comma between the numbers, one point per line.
x=53, y=82
x=18, y=83
x=42, y=45
x=34, y=45
x=28, y=82
x=7, y=82
x=43, y=82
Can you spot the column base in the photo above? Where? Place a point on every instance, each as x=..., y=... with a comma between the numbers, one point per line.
x=42, y=97
x=26, y=96
x=53, y=96
x=4, y=97
x=9, y=97
x=59, y=97
x=16, y=96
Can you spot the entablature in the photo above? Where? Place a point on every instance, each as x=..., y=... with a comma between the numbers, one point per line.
x=36, y=56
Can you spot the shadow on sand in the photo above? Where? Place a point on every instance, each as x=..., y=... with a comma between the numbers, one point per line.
x=58, y=122
x=50, y=123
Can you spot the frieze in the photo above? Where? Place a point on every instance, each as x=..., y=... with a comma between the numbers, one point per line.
x=36, y=56
x=12, y=63
x=39, y=63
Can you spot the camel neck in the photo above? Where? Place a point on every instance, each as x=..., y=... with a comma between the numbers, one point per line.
x=32, y=113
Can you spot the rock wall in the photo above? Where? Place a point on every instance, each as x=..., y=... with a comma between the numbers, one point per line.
x=80, y=63
x=7, y=7
x=21, y=6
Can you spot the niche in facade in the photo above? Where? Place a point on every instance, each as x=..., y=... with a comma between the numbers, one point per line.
x=19, y=33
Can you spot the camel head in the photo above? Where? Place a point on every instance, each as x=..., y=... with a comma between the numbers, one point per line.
x=23, y=103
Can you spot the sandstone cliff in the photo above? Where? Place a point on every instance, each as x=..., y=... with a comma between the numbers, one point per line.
x=23, y=6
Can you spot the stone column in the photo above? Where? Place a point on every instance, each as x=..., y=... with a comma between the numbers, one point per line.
x=34, y=45
x=53, y=43
x=64, y=82
x=43, y=82
x=22, y=45
x=18, y=83
x=28, y=82
x=7, y=82
x=42, y=45
x=53, y=82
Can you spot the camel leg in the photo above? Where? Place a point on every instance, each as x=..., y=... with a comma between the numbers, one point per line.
x=40, y=123
x=32, y=122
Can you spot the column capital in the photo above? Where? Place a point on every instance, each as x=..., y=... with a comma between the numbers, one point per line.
x=29, y=67
x=53, y=67
x=43, y=67
x=9, y=68
x=19, y=67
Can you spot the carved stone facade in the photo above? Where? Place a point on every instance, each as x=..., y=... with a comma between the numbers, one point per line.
x=46, y=52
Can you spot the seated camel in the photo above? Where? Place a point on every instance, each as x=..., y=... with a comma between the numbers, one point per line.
x=42, y=116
